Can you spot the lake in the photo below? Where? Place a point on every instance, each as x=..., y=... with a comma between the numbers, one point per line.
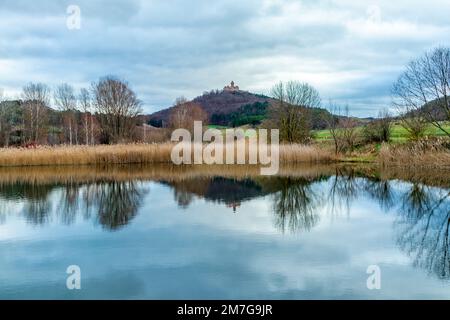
x=163, y=232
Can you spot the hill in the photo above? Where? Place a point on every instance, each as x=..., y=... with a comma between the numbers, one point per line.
x=234, y=107
x=434, y=108
x=221, y=106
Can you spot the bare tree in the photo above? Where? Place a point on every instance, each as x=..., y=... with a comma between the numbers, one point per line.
x=425, y=88
x=349, y=129
x=3, y=120
x=118, y=108
x=343, y=128
x=180, y=101
x=414, y=123
x=185, y=113
x=7, y=117
x=290, y=113
x=332, y=120
x=36, y=97
x=85, y=105
x=379, y=130
x=179, y=113
x=66, y=101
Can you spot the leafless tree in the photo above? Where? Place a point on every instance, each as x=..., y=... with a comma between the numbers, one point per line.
x=414, y=123
x=179, y=113
x=185, y=113
x=379, y=130
x=290, y=112
x=85, y=105
x=349, y=130
x=332, y=120
x=425, y=88
x=342, y=127
x=180, y=101
x=36, y=97
x=66, y=101
x=3, y=120
x=118, y=108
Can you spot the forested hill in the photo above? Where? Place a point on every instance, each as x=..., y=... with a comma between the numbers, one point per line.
x=234, y=108
x=219, y=105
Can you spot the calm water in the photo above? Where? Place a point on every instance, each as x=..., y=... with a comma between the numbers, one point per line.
x=311, y=234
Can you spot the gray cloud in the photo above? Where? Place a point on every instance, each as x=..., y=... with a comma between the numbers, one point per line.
x=351, y=52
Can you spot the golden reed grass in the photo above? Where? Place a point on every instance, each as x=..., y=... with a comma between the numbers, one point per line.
x=432, y=153
x=132, y=154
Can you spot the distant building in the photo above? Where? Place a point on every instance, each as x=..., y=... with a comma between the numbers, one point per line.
x=231, y=87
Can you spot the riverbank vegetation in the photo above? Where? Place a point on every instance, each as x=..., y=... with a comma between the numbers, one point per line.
x=135, y=154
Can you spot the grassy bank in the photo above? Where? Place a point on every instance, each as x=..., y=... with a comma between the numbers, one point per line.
x=398, y=133
x=133, y=154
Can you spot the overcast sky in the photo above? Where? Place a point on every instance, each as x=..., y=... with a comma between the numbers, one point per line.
x=351, y=51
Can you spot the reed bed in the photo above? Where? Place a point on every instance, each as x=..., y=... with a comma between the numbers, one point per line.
x=297, y=153
x=131, y=154
x=433, y=153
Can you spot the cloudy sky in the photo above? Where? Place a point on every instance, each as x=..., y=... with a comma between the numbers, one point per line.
x=350, y=50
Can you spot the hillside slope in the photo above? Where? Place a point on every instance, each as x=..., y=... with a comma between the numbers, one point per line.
x=216, y=104
x=235, y=108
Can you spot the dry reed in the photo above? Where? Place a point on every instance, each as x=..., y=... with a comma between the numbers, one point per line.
x=424, y=153
x=131, y=154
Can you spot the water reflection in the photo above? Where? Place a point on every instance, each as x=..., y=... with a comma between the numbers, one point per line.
x=228, y=191
x=381, y=191
x=343, y=191
x=297, y=202
x=423, y=228
x=117, y=203
x=114, y=203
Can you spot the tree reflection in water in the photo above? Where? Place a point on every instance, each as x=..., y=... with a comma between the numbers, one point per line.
x=68, y=203
x=343, y=190
x=295, y=205
x=115, y=203
x=36, y=204
x=381, y=191
x=423, y=228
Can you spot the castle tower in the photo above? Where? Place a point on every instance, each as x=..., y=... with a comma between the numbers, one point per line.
x=231, y=87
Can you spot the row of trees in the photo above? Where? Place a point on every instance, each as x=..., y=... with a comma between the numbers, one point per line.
x=108, y=112
x=421, y=96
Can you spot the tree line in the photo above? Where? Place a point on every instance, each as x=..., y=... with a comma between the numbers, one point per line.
x=107, y=112
x=421, y=97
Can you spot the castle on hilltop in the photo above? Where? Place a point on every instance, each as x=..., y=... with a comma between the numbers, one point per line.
x=231, y=87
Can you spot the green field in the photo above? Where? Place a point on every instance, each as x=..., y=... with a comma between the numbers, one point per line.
x=223, y=128
x=215, y=126
x=398, y=133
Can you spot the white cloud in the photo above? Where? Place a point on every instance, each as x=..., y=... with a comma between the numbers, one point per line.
x=352, y=51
